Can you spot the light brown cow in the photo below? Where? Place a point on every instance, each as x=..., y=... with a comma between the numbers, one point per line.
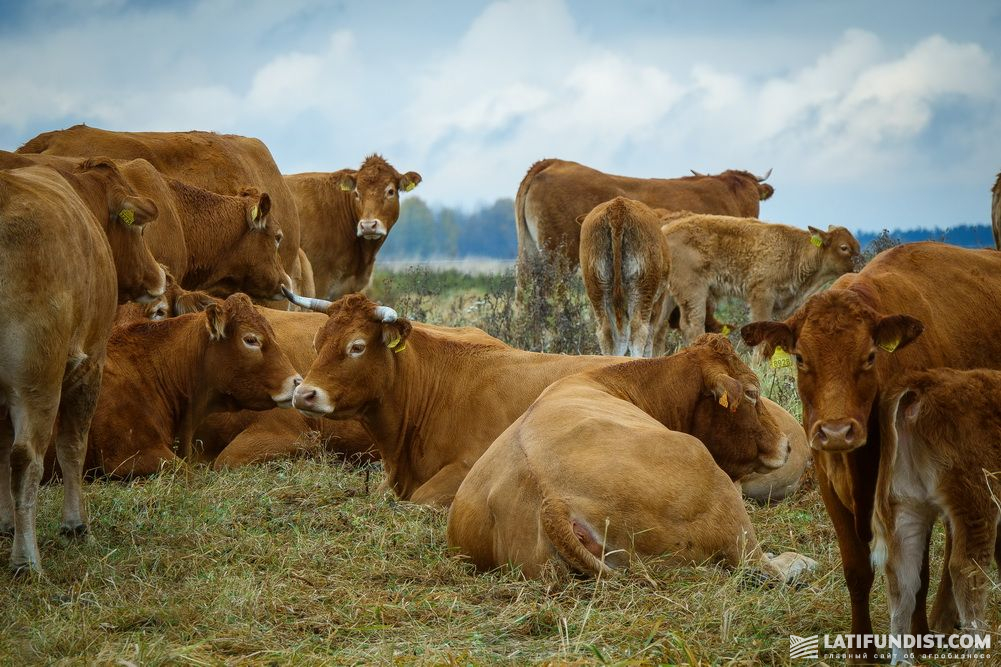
x=63, y=268
x=222, y=163
x=162, y=378
x=941, y=458
x=345, y=217
x=555, y=192
x=996, y=212
x=551, y=487
x=625, y=262
x=774, y=267
x=850, y=342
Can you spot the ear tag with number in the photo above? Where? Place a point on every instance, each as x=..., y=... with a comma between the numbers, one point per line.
x=781, y=358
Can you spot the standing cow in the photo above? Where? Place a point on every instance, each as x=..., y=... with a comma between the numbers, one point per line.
x=63, y=271
x=996, y=211
x=345, y=217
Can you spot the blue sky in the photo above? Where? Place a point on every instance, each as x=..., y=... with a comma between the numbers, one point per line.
x=871, y=114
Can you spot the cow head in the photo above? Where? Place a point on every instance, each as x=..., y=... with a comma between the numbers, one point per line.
x=356, y=354
x=140, y=277
x=838, y=342
x=174, y=301
x=243, y=361
x=375, y=195
x=736, y=427
x=253, y=264
x=839, y=250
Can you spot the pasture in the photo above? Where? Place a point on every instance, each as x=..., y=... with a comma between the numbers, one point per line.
x=307, y=561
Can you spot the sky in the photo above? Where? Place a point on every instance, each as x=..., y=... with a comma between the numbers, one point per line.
x=871, y=115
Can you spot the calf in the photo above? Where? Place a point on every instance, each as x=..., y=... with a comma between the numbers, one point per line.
x=625, y=262
x=551, y=488
x=941, y=457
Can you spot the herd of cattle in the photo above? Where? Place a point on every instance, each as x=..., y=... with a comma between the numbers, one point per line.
x=583, y=461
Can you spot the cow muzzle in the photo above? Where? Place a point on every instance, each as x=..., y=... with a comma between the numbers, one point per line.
x=371, y=229
x=775, y=459
x=312, y=401
x=155, y=292
x=837, y=435
x=284, y=283
x=284, y=399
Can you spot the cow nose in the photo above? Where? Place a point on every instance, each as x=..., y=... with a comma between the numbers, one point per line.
x=839, y=434
x=306, y=398
x=369, y=227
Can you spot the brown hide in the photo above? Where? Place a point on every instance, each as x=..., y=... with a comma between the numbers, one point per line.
x=996, y=212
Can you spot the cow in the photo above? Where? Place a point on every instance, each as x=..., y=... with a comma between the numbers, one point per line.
x=783, y=482
x=625, y=262
x=66, y=261
x=916, y=306
x=345, y=216
x=555, y=192
x=941, y=457
x=163, y=377
x=774, y=267
x=222, y=163
x=684, y=427
x=996, y=211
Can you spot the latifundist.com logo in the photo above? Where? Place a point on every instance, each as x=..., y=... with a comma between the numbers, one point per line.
x=804, y=648
x=893, y=648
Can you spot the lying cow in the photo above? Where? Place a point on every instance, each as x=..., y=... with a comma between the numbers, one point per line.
x=345, y=217
x=613, y=462
x=850, y=343
x=625, y=262
x=774, y=267
x=941, y=458
x=66, y=260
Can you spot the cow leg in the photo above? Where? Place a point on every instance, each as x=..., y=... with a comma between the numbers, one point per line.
x=606, y=337
x=973, y=540
x=693, y=315
x=33, y=424
x=641, y=343
x=659, y=327
x=81, y=387
x=6, y=497
x=761, y=304
x=441, y=488
x=944, y=615
x=904, y=568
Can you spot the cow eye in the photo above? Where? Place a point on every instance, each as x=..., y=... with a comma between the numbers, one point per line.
x=800, y=363
x=159, y=314
x=356, y=348
x=252, y=341
x=278, y=239
x=390, y=191
x=357, y=194
x=844, y=247
x=751, y=395
x=871, y=359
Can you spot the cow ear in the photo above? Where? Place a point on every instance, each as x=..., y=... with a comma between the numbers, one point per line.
x=395, y=334
x=765, y=191
x=773, y=334
x=192, y=302
x=727, y=391
x=895, y=331
x=580, y=218
x=216, y=321
x=818, y=237
x=409, y=181
x=347, y=181
x=257, y=211
x=135, y=211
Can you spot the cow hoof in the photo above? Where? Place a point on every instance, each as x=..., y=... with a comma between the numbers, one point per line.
x=22, y=569
x=75, y=531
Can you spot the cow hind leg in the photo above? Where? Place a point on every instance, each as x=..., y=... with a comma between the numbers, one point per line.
x=6, y=496
x=81, y=387
x=903, y=568
x=693, y=316
x=973, y=542
x=33, y=425
x=944, y=615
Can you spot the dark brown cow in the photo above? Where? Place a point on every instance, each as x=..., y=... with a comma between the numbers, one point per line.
x=345, y=217
x=62, y=270
x=554, y=192
x=996, y=211
x=222, y=163
x=849, y=343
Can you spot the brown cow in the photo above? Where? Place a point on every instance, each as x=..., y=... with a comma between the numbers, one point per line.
x=550, y=486
x=996, y=212
x=849, y=343
x=555, y=192
x=222, y=163
x=774, y=267
x=63, y=268
x=941, y=457
x=345, y=217
x=625, y=262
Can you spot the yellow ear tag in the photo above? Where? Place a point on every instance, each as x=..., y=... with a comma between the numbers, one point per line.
x=724, y=401
x=253, y=212
x=393, y=343
x=409, y=186
x=128, y=216
x=816, y=240
x=891, y=345
x=781, y=358
x=725, y=330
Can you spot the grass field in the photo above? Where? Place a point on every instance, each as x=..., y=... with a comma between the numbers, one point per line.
x=305, y=562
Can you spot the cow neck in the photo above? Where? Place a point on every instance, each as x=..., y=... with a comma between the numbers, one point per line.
x=807, y=269
x=93, y=193
x=212, y=225
x=361, y=259
x=663, y=387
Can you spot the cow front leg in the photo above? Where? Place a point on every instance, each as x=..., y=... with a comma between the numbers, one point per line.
x=905, y=563
x=6, y=494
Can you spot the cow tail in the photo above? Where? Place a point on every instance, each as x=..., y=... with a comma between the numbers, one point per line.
x=558, y=525
x=519, y=201
x=616, y=241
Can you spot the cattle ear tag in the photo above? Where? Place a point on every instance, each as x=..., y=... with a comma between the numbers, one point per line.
x=724, y=401
x=253, y=212
x=128, y=216
x=781, y=358
x=725, y=330
x=816, y=240
x=891, y=345
x=409, y=186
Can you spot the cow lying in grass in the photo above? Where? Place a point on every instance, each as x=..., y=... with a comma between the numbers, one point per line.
x=632, y=459
x=941, y=457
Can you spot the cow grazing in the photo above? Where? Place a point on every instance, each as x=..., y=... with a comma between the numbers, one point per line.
x=222, y=163
x=625, y=262
x=345, y=217
x=774, y=267
x=63, y=269
x=551, y=487
x=782, y=482
x=849, y=343
x=555, y=192
x=996, y=212
x=941, y=457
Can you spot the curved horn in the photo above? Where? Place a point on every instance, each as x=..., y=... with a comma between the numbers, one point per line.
x=695, y=173
x=319, y=305
x=765, y=177
x=385, y=314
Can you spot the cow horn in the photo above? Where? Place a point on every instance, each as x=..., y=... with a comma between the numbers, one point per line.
x=695, y=173
x=385, y=314
x=765, y=177
x=319, y=305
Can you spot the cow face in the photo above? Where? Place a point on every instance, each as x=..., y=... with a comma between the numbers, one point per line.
x=738, y=430
x=253, y=265
x=140, y=277
x=357, y=353
x=839, y=343
x=840, y=251
x=243, y=361
x=375, y=195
